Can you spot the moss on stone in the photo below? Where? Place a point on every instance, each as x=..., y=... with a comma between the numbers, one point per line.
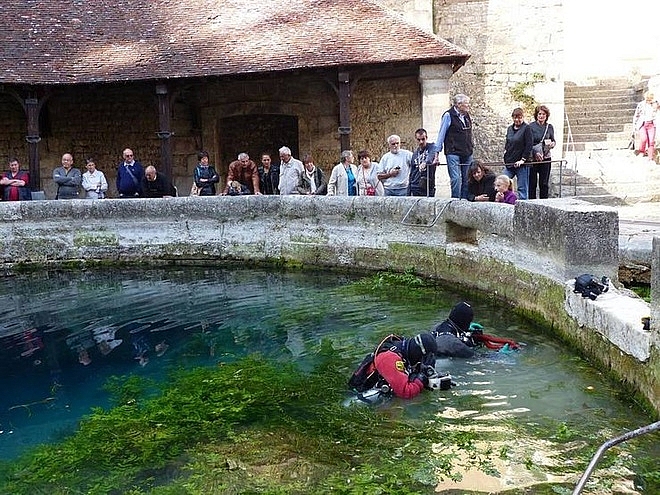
x=95, y=239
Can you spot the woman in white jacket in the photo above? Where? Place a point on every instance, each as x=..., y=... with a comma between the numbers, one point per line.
x=343, y=180
x=644, y=125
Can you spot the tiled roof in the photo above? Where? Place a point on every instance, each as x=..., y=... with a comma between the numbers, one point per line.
x=83, y=41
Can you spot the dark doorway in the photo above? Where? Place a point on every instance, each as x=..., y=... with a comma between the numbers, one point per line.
x=254, y=134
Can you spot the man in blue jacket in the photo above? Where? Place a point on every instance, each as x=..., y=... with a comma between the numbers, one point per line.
x=129, y=176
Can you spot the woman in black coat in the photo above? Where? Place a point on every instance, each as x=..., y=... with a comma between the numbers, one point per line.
x=481, y=183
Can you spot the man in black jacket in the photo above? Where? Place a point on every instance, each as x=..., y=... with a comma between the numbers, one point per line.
x=455, y=136
x=155, y=185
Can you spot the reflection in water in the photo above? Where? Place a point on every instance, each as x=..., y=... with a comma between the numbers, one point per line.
x=63, y=334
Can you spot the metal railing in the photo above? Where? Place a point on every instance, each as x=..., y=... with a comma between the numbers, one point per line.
x=611, y=443
x=569, y=148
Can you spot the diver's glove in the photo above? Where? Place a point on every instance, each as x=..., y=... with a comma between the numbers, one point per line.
x=476, y=328
x=425, y=379
x=429, y=360
x=428, y=370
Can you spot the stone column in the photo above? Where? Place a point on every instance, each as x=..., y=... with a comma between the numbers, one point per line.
x=32, y=110
x=434, y=81
x=655, y=293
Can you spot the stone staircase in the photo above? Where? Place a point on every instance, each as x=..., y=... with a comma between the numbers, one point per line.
x=613, y=177
x=599, y=116
x=600, y=168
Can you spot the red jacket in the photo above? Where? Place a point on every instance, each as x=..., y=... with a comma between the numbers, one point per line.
x=391, y=366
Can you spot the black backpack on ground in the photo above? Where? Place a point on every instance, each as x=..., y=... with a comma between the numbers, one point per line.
x=589, y=286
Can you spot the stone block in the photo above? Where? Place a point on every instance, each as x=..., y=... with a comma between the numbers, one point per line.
x=655, y=290
x=581, y=237
x=615, y=316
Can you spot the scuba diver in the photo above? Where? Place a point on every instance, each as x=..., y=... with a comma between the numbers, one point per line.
x=400, y=366
x=453, y=336
x=459, y=336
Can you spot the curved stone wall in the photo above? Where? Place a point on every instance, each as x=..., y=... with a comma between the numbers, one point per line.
x=526, y=255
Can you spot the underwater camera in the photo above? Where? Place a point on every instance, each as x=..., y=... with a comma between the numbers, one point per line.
x=440, y=381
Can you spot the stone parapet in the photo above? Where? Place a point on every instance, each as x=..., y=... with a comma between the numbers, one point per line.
x=526, y=255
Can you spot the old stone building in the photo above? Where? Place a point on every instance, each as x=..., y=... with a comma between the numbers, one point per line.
x=168, y=79
x=172, y=77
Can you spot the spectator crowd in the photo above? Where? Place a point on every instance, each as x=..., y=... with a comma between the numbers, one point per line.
x=399, y=172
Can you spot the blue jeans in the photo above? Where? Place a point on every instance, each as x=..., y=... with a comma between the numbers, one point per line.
x=457, y=167
x=402, y=191
x=522, y=174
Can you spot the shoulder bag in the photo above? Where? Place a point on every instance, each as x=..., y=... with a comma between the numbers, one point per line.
x=537, y=149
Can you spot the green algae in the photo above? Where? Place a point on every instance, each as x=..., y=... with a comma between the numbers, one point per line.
x=247, y=424
x=97, y=238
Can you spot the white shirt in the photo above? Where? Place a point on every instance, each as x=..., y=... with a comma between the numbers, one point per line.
x=290, y=174
x=93, y=184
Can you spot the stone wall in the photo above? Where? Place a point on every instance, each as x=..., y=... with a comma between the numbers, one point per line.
x=526, y=255
x=517, y=57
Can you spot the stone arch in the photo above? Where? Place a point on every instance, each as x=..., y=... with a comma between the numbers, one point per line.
x=256, y=133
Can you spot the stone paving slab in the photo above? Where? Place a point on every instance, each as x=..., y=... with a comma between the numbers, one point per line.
x=638, y=224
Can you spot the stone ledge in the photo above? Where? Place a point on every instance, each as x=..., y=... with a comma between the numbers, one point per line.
x=616, y=316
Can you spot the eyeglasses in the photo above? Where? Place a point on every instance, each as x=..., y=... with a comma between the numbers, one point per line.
x=395, y=144
x=128, y=156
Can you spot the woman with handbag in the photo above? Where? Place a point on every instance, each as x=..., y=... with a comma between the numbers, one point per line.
x=543, y=139
x=204, y=177
x=367, y=180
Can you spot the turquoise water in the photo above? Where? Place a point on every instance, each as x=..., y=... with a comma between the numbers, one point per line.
x=62, y=334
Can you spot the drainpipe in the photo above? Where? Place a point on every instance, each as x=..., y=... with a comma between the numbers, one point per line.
x=164, y=121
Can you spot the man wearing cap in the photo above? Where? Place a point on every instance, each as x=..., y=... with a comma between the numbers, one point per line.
x=403, y=364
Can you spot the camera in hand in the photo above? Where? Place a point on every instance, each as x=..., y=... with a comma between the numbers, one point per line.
x=438, y=381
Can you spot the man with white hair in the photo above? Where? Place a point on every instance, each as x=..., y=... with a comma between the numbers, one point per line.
x=67, y=178
x=455, y=136
x=291, y=170
x=156, y=185
x=394, y=168
x=245, y=172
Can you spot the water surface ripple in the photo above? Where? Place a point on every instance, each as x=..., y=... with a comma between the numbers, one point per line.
x=62, y=334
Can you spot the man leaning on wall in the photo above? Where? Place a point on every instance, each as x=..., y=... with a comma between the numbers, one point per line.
x=245, y=172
